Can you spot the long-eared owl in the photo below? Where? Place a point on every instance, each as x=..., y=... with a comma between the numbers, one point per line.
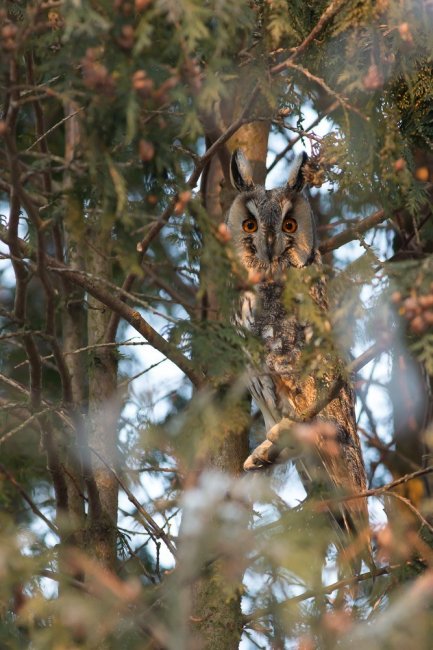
x=274, y=235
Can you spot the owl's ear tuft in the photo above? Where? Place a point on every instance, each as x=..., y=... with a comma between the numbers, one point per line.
x=241, y=173
x=296, y=180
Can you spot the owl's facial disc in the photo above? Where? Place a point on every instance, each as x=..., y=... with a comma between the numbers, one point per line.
x=269, y=229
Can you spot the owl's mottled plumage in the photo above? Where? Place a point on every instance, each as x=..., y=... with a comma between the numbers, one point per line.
x=274, y=234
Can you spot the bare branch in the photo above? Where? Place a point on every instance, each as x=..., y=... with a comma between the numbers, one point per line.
x=27, y=499
x=133, y=317
x=53, y=128
x=292, y=143
x=25, y=423
x=320, y=82
x=374, y=492
x=155, y=529
x=412, y=508
x=314, y=593
x=353, y=232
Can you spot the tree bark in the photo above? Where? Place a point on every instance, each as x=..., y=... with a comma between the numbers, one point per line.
x=73, y=328
x=216, y=607
x=103, y=400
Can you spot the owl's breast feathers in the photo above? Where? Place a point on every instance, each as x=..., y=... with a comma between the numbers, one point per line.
x=275, y=384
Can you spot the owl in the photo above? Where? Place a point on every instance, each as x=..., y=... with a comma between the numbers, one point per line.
x=274, y=236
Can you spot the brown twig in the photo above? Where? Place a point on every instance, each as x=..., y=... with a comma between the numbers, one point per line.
x=53, y=128
x=34, y=416
x=292, y=143
x=320, y=82
x=371, y=353
x=324, y=19
x=86, y=348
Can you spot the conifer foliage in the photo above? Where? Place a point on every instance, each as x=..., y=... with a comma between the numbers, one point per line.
x=126, y=518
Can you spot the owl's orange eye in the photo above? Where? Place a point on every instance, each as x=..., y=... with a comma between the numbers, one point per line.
x=249, y=225
x=290, y=225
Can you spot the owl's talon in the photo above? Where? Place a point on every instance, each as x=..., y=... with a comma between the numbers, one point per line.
x=265, y=454
x=251, y=464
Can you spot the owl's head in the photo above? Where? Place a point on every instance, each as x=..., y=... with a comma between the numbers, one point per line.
x=271, y=230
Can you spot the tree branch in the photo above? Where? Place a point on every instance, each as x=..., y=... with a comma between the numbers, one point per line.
x=292, y=143
x=133, y=317
x=353, y=232
x=412, y=508
x=320, y=82
x=34, y=416
x=155, y=529
x=374, y=492
x=313, y=593
x=324, y=19
x=27, y=499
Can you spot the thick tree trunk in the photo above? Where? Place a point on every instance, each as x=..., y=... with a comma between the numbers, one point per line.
x=216, y=611
x=73, y=328
x=103, y=401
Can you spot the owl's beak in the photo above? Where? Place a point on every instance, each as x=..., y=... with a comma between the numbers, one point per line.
x=270, y=244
